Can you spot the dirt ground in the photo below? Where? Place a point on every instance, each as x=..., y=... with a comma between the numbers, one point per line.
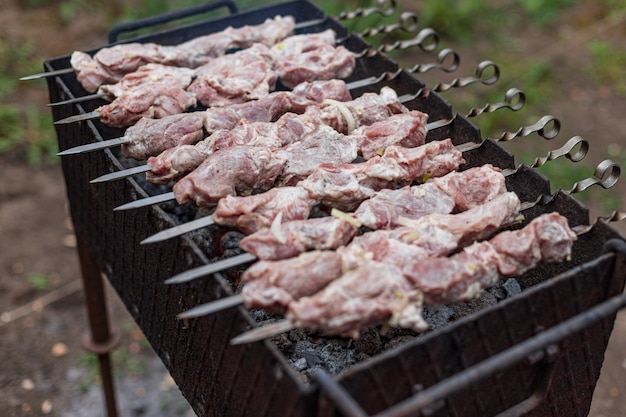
x=42, y=317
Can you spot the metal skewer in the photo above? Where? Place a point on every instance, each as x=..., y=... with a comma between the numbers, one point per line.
x=265, y=331
x=606, y=175
x=525, y=131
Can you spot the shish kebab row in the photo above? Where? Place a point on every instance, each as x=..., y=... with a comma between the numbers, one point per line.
x=155, y=91
x=400, y=320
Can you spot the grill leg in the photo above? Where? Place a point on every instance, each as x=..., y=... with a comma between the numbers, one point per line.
x=99, y=340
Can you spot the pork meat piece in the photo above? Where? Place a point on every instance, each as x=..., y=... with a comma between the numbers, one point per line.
x=383, y=210
x=298, y=44
x=150, y=135
x=203, y=49
x=174, y=163
x=463, y=276
x=405, y=165
x=404, y=129
x=372, y=295
x=258, y=211
x=273, y=285
x=234, y=171
x=475, y=187
x=109, y=65
x=324, y=145
x=363, y=110
x=289, y=239
x=344, y=186
x=153, y=101
x=547, y=238
x=148, y=74
x=322, y=63
x=436, y=234
x=235, y=78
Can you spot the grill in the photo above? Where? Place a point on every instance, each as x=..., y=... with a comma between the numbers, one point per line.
x=538, y=353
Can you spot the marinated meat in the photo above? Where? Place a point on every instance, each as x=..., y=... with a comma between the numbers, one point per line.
x=149, y=74
x=234, y=171
x=461, y=277
x=345, y=186
x=109, y=65
x=288, y=284
x=150, y=100
x=322, y=63
x=258, y=211
x=371, y=295
x=315, y=139
x=289, y=239
x=235, y=78
x=175, y=130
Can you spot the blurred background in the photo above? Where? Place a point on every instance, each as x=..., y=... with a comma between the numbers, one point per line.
x=568, y=56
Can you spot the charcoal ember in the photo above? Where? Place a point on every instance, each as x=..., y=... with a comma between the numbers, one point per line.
x=369, y=343
x=486, y=299
x=229, y=243
x=331, y=355
x=512, y=287
x=437, y=316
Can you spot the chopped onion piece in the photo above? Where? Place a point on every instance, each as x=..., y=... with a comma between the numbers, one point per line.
x=345, y=111
x=345, y=216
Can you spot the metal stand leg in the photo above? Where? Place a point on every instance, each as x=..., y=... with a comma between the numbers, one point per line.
x=99, y=340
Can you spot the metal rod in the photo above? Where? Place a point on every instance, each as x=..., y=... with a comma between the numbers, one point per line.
x=100, y=340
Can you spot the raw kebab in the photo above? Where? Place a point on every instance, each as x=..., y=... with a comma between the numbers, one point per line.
x=109, y=65
x=343, y=117
x=381, y=293
x=245, y=75
x=239, y=170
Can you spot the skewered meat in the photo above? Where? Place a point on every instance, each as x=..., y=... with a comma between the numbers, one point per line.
x=286, y=283
x=238, y=170
x=289, y=239
x=258, y=211
x=235, y=78
x=109, y=65
x=373, y=294
x=345, y=186
x=366, y=110
x=149, y=74
x=152, y=136
x=318, y=149
x=252, y=73
x=433, y=235
x=383, y=211
x=150, y=100
x=345, y=306
x=461, y=277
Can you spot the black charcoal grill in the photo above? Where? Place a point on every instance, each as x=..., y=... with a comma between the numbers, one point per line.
x=538, y=353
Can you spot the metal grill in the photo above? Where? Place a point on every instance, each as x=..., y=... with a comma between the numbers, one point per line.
x=521, y=356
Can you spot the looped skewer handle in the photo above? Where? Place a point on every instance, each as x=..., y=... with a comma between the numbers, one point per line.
x=481, y=76
x=408, y=23
x=605, y=175
x=382, y=9
x=427, y=39
x=443, y=63
x=541, y=128
x=566, y=150
x=514, y=99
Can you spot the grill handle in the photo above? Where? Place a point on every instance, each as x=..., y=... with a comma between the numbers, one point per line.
x=170, y=16
x=542, y=346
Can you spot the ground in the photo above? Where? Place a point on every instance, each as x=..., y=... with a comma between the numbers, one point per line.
x=42, y=316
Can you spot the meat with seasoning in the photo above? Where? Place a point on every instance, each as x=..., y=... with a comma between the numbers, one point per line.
x=109, y=65
x=154, y=101
x=150, y=137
